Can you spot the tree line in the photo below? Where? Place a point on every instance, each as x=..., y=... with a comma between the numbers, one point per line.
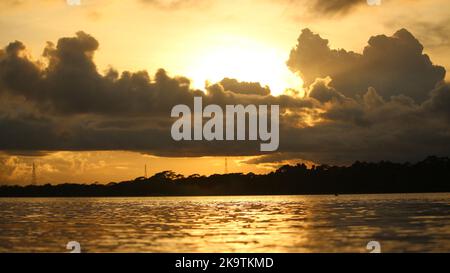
x=429, y=175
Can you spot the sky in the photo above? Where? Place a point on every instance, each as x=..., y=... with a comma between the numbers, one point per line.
x=84, y=97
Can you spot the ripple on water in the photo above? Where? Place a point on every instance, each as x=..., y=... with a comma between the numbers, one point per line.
x=412, y=222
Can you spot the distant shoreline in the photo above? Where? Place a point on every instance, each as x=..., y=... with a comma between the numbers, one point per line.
x=229, y=195
x=431, y=175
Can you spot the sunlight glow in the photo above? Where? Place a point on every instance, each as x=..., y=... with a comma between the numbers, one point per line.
x=244, y=60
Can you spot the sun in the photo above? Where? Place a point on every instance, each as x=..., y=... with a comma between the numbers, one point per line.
x=244, y=60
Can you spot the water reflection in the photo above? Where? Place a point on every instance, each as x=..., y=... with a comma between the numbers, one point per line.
x=227, y=224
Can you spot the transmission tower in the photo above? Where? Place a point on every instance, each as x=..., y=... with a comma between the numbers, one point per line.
x=33, y=175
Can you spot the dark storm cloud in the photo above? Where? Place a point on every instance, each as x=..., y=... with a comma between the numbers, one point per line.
x=279, y=158
x=71, y=83
x=71, y=106
x=439, y=103
x=67, y=104
x=320, y=91
x=329, y=8
x=392, y=65
x=371, y=128
x=249, y=88
x=322, y=7
x=336, y=6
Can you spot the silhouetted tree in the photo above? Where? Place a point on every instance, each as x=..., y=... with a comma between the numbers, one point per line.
x=429, y=175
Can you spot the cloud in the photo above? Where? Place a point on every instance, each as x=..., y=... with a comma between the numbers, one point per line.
x=392, y=65
x=439, y=102
x=175, y=4
x=248, y=88
x=433, y=31
x=371, y=128
x=68, y=105
x=357, y=106
x=321, y=91
x=336, y=6
x=12, y=3
x=71, y=84
x=325, y=8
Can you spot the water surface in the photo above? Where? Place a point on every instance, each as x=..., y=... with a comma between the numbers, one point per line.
x=401, y=223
